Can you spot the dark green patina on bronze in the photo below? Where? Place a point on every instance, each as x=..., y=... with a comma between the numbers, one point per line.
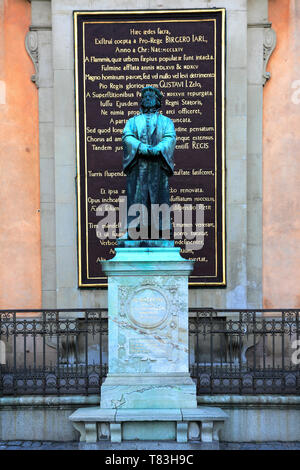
x=149, y=140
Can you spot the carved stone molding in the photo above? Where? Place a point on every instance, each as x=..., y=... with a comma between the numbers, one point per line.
x=269, y=46
x=31, y=44
x=269, y=43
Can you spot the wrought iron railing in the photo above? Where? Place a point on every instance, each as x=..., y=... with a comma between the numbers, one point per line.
x=54, y=352
x=245, y=351
x=231, y=351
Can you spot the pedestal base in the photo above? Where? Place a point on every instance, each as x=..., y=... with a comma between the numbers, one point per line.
x=201, y=424
x=148, y=391
x=148, y=385
x=148, y=328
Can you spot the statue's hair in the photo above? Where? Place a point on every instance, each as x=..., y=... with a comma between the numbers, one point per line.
x=158, y=94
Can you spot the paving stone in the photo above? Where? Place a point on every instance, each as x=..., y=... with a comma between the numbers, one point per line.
x=36, y=444
x=55, y=445
x=12, y=448
x=259, y=445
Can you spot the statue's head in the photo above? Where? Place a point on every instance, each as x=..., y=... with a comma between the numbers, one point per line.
x=151, y=99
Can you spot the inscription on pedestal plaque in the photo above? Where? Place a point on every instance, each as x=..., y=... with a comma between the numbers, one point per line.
x=147, y=349
x=147, y=308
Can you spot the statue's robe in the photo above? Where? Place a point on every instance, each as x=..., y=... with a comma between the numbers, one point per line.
x=147, y=177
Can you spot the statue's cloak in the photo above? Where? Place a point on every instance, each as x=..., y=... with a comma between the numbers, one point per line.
x=147, y=178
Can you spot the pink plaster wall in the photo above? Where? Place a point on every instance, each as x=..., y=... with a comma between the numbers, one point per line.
x=20, y=256
x=281, y=161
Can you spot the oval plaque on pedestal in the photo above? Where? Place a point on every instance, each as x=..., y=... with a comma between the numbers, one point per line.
x=147, y=308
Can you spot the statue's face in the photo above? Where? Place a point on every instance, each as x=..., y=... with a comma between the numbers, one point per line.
x=149, y=100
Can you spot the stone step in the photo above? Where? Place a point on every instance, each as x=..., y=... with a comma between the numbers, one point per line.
x=202, y=423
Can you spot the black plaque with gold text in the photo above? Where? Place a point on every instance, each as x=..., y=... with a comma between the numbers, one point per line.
x=182, y=53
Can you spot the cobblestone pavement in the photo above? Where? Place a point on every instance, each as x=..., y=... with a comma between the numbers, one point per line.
x=260, y=446
x=50, y=445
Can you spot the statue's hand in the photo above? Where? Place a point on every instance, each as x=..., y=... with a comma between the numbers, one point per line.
x=144, y=150
x=155, y=152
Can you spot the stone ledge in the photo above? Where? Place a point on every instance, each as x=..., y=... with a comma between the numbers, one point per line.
x=240, y=401
x=91, y=422
x=148, y=261
x=149, y=414
x=203, y=413
x=50, y=400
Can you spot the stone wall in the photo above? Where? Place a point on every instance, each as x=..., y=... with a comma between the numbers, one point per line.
x=20, y=266
x=250, y=418
x=281, y=176
x=253, y=250
x=267, y=418
x=246, y=25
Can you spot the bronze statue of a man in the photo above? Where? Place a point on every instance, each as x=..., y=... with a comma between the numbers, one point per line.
x=149, y=140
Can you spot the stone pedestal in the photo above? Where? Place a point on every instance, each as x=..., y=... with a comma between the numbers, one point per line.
x=148, y=394
x=148, y=329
